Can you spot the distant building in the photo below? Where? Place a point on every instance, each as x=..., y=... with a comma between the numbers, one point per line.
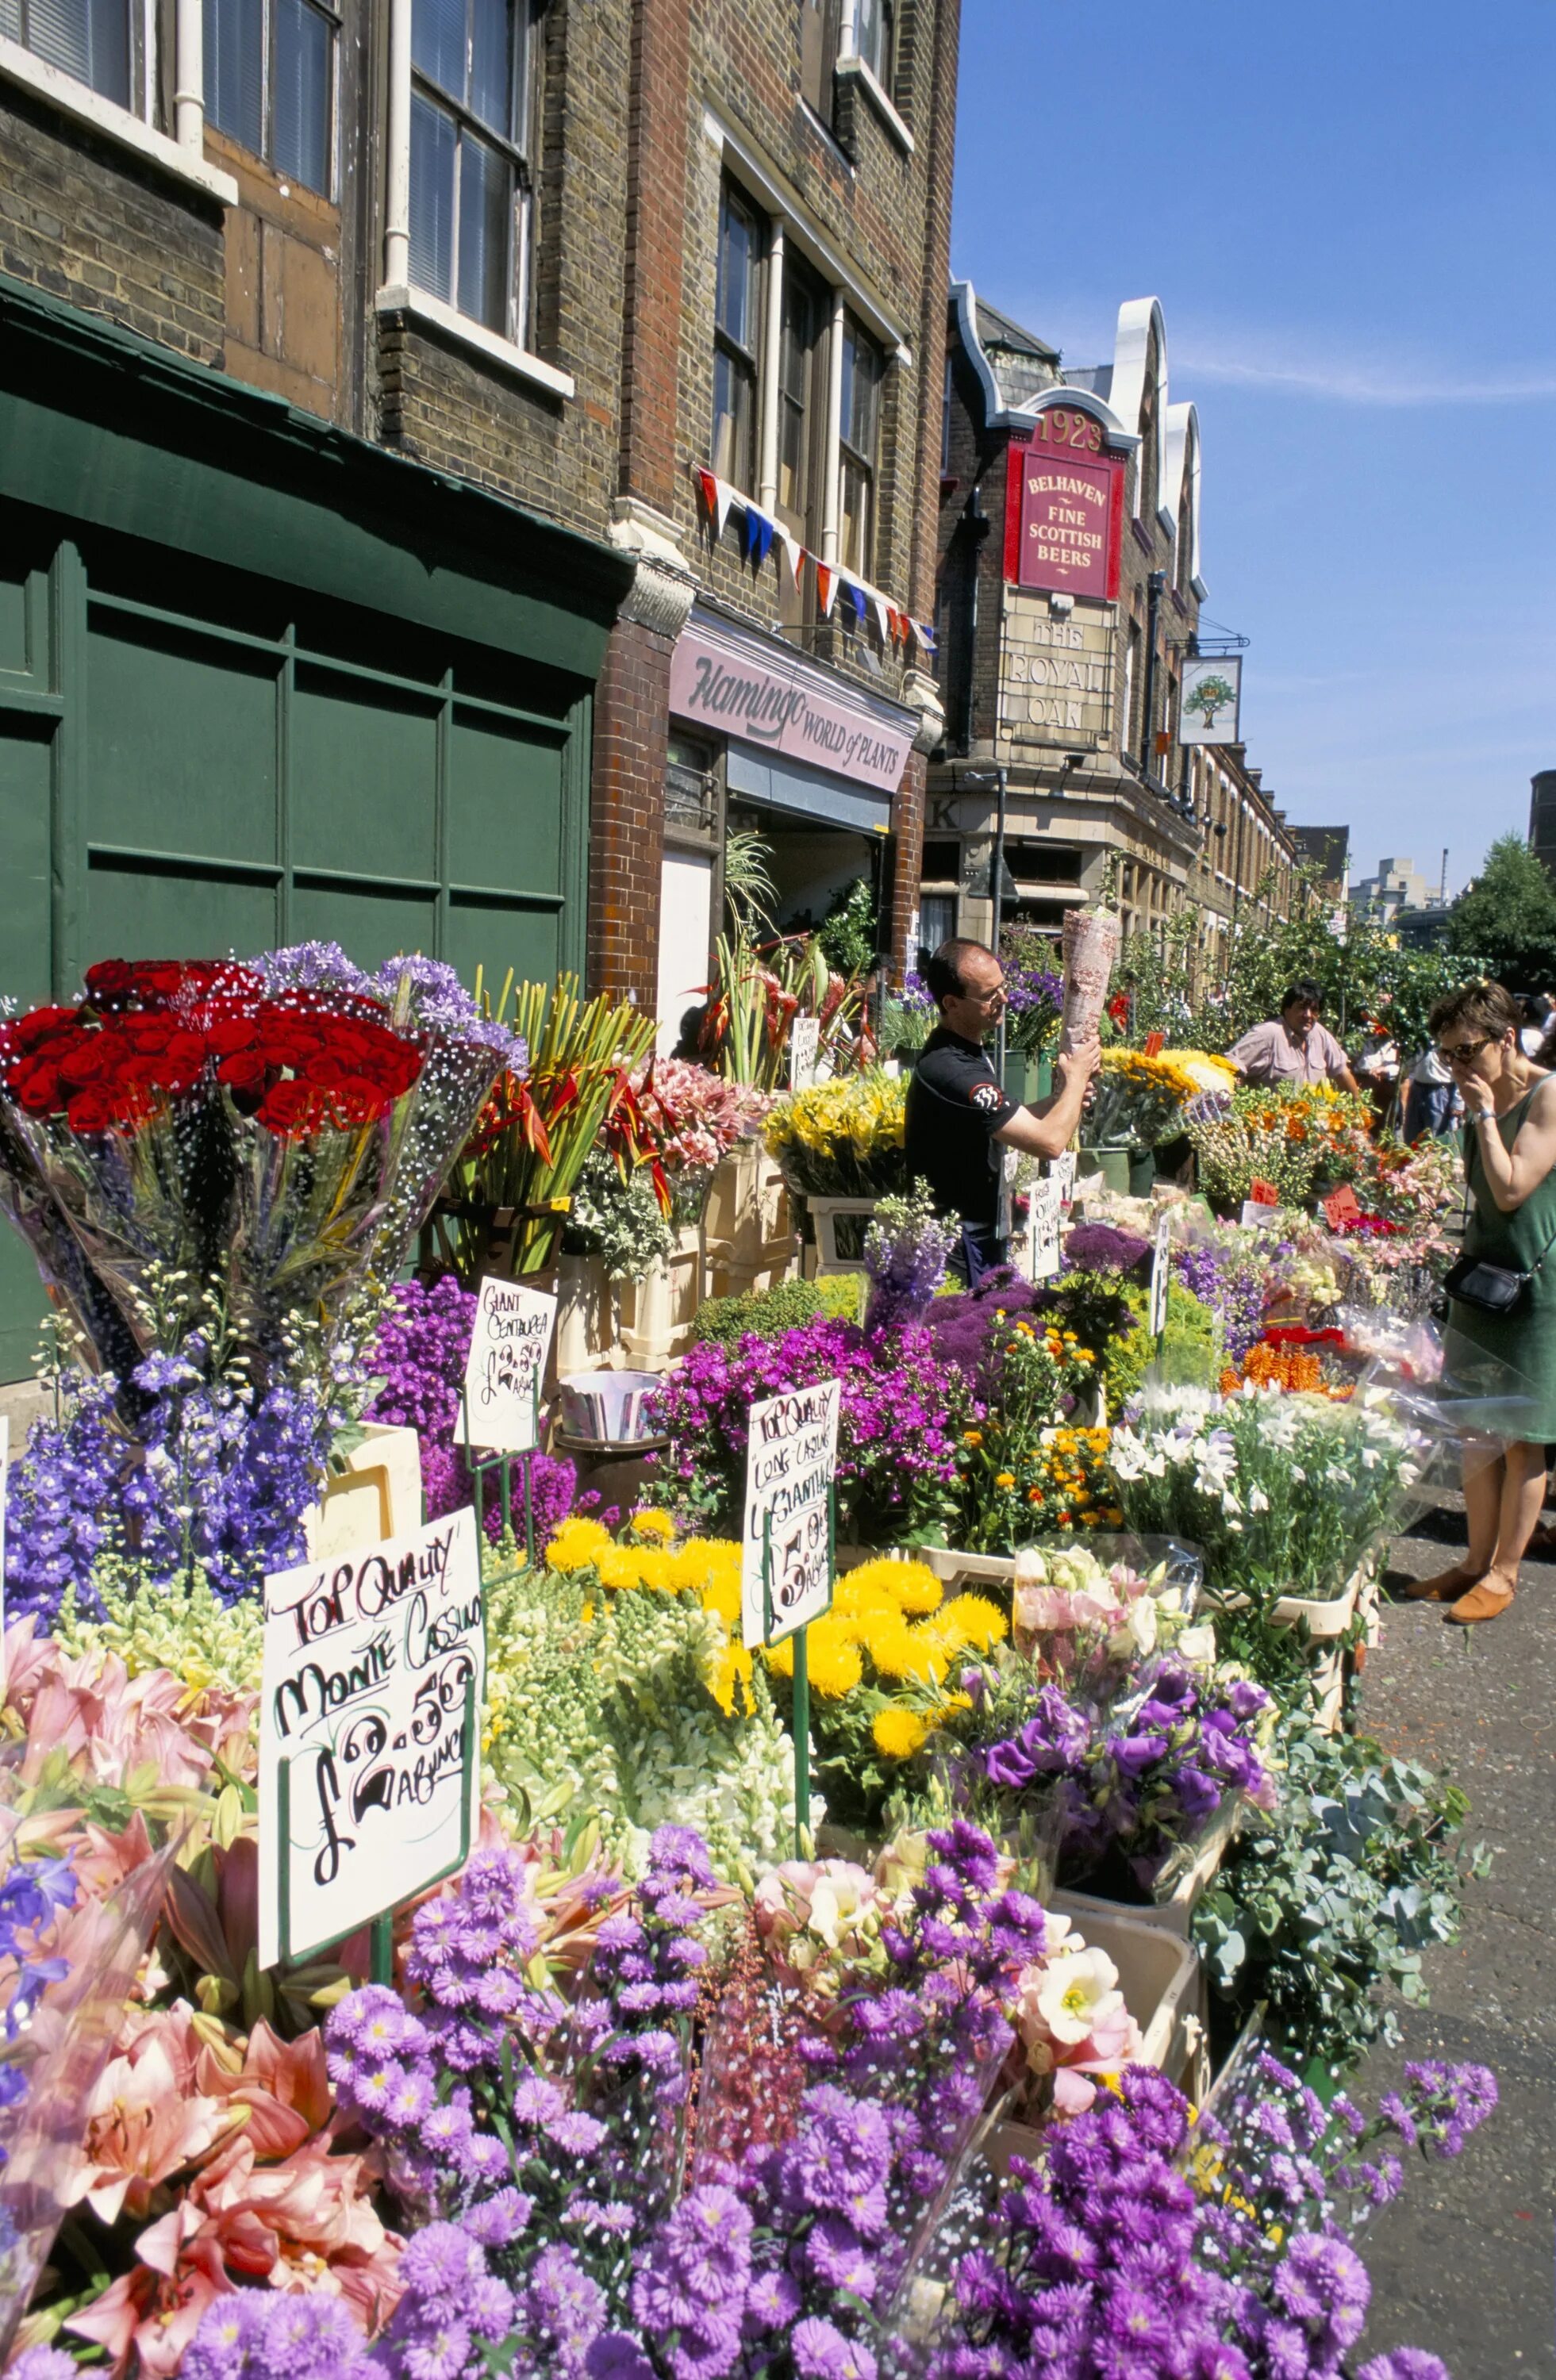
x=1327, y=849
x=1067, y=603
x=1542, y=818
x=1398, y=885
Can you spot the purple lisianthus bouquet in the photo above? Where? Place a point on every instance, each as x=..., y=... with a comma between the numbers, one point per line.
x=1126, y=1779
x=903, y=1412
x=420, y=1357
x=1138, y=2241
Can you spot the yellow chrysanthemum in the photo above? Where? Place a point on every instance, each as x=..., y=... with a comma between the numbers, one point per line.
x=729, y=1669
x=898, y=1732
x=910, y=1654
x=835, y=1664
x=980, y=1622
x=1004, y=1478
x=577, y=1545
x=780, y=1658
x=911, y=1585
x=621, y=1566
x=653, y=1524
x=723, y=1596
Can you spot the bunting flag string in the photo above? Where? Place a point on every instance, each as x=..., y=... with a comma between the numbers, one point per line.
x=760, y=533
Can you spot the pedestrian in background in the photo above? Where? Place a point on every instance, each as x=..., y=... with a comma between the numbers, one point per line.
x=1294, y=1047
x=1510, y=1164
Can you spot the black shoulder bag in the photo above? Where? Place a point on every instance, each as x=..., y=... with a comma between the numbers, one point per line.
x=1495, y=1288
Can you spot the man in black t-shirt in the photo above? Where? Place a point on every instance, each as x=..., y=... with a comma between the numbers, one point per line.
x=960, y=1117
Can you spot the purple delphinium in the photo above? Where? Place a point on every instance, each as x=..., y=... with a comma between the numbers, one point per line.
x=265, y=2333
x=419, y=1354
x=907, y=1251
x=1231, y=1287
x=901, y=1417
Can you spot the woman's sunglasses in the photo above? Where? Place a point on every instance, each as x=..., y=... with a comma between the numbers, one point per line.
x=1459, y=1053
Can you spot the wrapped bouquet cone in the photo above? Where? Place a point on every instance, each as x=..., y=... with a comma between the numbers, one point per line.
x=1091, y=944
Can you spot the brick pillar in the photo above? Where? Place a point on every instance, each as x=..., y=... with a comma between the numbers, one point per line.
x=908, y=809
x=908, y=825
x=632, y=702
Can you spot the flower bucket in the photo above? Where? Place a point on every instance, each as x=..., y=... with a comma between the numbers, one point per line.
x=1112, y=1166
x=1172, y=1914
x=1163, y=1989
x=608, y=1408
x=1142, y=1171
x=377, y=1494
x=1027, y=1078
x=840, y=1225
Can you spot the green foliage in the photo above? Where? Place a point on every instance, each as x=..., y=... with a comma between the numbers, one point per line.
x=760, y=1313
x=1504, y=922
x=842, y=1295
x=1366, y=975
x=848, y=932
x=1189, y=1350
x=1158, y=975
x=749, y=893
x=1337, y=1895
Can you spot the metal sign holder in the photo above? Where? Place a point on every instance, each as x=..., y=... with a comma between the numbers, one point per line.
x=482, y=1467
x=800, y=1638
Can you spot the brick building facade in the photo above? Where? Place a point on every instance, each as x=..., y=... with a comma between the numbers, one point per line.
x=358, y=365
x=1067, y=603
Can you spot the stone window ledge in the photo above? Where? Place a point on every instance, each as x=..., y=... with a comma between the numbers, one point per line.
x=421, y=307
x=115, y=123
x=870, y=82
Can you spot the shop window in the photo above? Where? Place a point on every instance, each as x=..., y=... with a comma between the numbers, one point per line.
x=862, y=370
x=270, y=72
x=941, y=863
x=95, y=41
x=1041, y=862
x=470, y=204
x=737, y=341
x=937, y=918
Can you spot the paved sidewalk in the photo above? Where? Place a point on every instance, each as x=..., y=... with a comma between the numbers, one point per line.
x=1463, y=2261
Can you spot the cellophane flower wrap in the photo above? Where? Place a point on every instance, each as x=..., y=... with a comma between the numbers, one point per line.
x=272, y=1132
x=1092, y=946
x=1285, y=1492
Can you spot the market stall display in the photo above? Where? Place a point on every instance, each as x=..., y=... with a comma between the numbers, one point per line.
x=638, y=2093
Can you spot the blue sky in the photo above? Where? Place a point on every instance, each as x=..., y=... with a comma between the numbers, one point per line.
x=1349, y=215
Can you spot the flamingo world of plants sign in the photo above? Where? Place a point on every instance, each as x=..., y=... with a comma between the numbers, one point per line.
x=369, y=1733
x=1209, y=696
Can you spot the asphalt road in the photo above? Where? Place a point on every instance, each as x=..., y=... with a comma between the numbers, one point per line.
x=1464, y=2262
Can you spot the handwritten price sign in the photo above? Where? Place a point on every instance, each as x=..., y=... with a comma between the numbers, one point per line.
x=791, y=1458
x=370, y=1717
x=507, y=1364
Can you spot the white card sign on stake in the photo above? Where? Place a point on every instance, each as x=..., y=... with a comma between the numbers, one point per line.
x=1062, y=1170
x=791, y=1460
x=505, y=1366
x=369, y=1733
x=1257, y=1215
x=1160, y=1274
x=804, y=1041
x=1044, y=1221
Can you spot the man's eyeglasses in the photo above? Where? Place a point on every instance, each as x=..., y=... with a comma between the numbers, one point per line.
x=985, y=998
x=1459, y=1053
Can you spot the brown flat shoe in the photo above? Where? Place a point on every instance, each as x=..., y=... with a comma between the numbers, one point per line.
x=1482, y=1602
x=1434, y=1590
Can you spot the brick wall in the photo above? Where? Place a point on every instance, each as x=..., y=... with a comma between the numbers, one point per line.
x=84, y=221
x=627, y=834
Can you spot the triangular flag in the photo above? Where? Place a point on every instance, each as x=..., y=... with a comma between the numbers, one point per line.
x=882, y=616
x=708, y=487
x=855, y=595
x=826, y=589
x=923, y=636
x=792, y=550
x=756, y=535
x=717, y=496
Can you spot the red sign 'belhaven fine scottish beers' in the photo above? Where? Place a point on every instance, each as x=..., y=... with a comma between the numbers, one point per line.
x=1065, y=508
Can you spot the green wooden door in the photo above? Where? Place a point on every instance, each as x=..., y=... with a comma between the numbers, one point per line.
x=226, y=772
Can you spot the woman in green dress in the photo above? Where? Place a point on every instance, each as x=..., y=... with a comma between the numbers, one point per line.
x=1510, y=1162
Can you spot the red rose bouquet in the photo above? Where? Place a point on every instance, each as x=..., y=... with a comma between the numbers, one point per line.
x=272, y=1132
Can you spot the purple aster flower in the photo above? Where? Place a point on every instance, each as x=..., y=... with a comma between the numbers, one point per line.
x=821, y=2351
x=1406, y=2363
x=771, y=2302
x=497, y=2221
x=578, y=2134
x=615, y=2355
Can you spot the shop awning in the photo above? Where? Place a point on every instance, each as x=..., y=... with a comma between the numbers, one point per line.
x=789, y=785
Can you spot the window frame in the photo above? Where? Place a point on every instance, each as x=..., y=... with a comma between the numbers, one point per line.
x=867, y=465
x=748, y=362
x=515, y=150
x=882, y=64
x=330, y=10
x=142, y=47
